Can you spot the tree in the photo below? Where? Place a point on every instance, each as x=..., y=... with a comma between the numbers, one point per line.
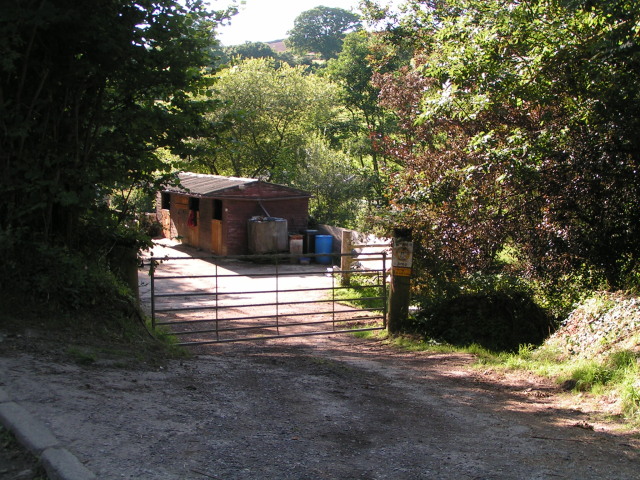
x=90, y=92
x=251, y=50
x=362, y=55
x=521, y=128
x=268, y=111
x=321, y=30
x=338, y=186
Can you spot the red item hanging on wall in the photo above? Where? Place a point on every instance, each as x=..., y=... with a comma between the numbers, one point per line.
x=192, y=221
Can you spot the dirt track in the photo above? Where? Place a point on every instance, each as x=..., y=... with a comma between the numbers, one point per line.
x=335, y=408
x=332, y=407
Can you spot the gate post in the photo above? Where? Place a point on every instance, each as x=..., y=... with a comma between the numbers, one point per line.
x=399, y=291
x=152, y=274
x=345, y=258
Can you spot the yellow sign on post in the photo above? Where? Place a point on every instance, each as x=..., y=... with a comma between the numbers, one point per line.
x=401, y=271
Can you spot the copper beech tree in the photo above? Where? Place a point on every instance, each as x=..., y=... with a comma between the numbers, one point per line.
x=519, y=139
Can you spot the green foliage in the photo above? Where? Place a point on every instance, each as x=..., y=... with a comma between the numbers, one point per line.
x=91, y=91
x=62, y=278
x=321, y=30
x=630, y=394
x=93, y=94
x=82, y=356
x=362, y=292
x=251, y=50
x=616, y=376
x=256, y=50
x=337, y=185
x=519, y=128
x=594, y=374
x=618, y=373
x=363, y=55
x=267, y=112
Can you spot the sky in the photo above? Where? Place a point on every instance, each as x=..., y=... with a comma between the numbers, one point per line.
x=267, y=20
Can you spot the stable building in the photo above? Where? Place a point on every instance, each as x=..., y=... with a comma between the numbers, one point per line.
x=220, y=214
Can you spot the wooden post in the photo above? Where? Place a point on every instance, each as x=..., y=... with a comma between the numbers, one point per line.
x=346, y=258
x=399, y=291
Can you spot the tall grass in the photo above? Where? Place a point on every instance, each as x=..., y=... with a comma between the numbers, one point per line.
x=618, y=375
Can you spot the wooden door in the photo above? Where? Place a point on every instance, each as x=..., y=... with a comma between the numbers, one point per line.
x=216, y=236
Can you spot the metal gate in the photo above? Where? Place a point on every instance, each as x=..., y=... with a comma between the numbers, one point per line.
x=213, y=299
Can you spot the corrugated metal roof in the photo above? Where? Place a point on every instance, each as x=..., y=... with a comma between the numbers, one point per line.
x=200, y=184
x=196, y=184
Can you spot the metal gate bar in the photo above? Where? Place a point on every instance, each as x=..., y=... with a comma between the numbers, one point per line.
x=256, y=317
x=221, y=299
x=271, y=337
x=261, y=327
x=271, y=304
x=266, y=326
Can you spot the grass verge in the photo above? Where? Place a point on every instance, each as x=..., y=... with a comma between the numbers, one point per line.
x=614, y=377
x=363, y=292
x=16, y=462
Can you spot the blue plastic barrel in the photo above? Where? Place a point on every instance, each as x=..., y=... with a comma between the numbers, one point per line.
x=324, y=245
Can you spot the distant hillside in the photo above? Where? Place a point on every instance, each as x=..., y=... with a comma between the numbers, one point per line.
x=277, y=45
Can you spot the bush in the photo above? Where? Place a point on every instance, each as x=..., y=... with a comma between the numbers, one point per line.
x=57, y=278
x=497, y=321
x=63, y=279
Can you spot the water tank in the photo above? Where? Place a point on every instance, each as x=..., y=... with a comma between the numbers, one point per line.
x=268, y=235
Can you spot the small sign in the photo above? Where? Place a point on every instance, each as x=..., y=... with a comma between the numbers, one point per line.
x=401, y=272
x=402, y=255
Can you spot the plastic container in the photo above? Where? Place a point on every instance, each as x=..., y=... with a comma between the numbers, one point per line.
x=324, y=244
x=310, y=241
x=295, y=247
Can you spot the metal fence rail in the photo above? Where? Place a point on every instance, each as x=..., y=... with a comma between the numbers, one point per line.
x=265, y=297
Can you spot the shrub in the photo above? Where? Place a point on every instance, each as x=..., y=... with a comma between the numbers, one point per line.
x=497, y=320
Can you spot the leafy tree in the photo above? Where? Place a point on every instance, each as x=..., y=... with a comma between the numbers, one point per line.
x=337, y=184
x=269, y=110
x=251, y=50
x=362, y=55
x=89, y=91
x=321, y=30
x=520, y=130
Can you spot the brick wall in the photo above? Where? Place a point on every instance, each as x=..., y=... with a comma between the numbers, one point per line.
x=234, y=229
x=237, y=214
x=296, y=211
